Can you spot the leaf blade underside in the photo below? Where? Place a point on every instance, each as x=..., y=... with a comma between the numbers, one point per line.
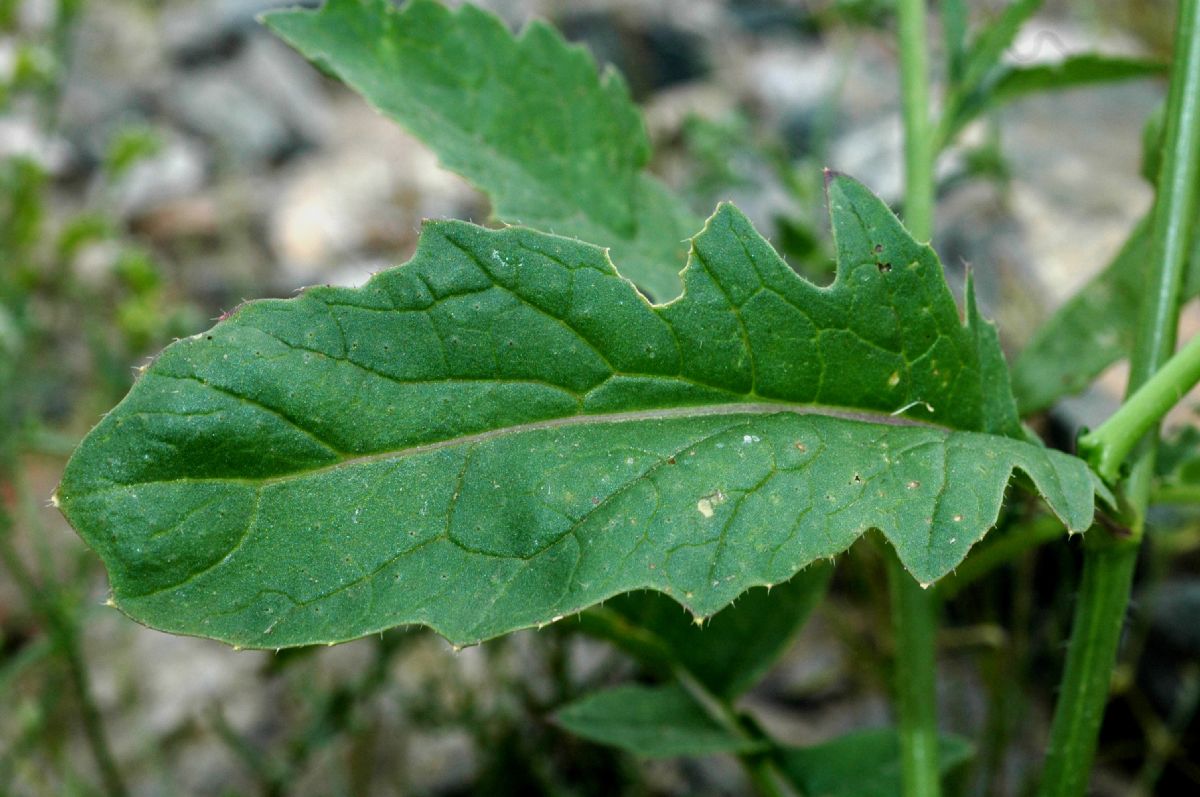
x=503, y=431
x=525, y=118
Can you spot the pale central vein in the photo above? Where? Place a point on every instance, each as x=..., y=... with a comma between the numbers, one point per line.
x=671, y=413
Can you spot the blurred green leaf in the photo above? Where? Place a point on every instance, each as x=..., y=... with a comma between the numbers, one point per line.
x=984, y=52
x=129, y=146
x=733, y=649
x=1091, y=331
x=1073, y=72
x=1178, y=468
x=21, y=209
x=1152, y=143
x=954, y=37
x=1007, y=83
x=861, y=764
x=1094, y=328
x=655, y=722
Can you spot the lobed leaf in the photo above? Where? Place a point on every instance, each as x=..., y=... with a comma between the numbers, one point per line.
x=526, y=119
x=503, y=431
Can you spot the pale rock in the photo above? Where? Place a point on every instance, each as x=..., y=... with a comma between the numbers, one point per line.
x=179, y=169
x=367, y=193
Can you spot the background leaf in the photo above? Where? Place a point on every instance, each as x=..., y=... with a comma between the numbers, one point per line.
x=1007, y=83
x=953, y=15
x=526, y=119
x=1072, y=72
x=1103, y=312
x=503, y=432
x=733, y=649
x=989, y=44
x=1092, y=330
x=654, y=722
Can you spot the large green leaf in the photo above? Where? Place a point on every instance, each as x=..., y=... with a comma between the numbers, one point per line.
x=655, y=722
x=503, y=431
x=527, y=119
x=728, y=653
x=861, y=764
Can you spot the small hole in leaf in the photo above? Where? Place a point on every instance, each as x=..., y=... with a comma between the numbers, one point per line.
x=883, y=267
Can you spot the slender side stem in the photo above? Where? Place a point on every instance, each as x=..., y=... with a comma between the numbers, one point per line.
x=914, y=610
x=1109, y=560
x=1109, y=446
x=760, y=768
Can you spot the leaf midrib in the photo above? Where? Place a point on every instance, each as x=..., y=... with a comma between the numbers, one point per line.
x=671, y=413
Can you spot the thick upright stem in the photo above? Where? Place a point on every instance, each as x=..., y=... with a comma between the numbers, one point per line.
x=1108, y=567
x=914, y=619
x=1109, y=560
x=914, y=610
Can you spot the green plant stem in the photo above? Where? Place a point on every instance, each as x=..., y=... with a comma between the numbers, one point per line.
x=1100, y=606
x=918, y=133
x=914, y=619
x=1109, y=446
x=1109, y=559
x=914, y=610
